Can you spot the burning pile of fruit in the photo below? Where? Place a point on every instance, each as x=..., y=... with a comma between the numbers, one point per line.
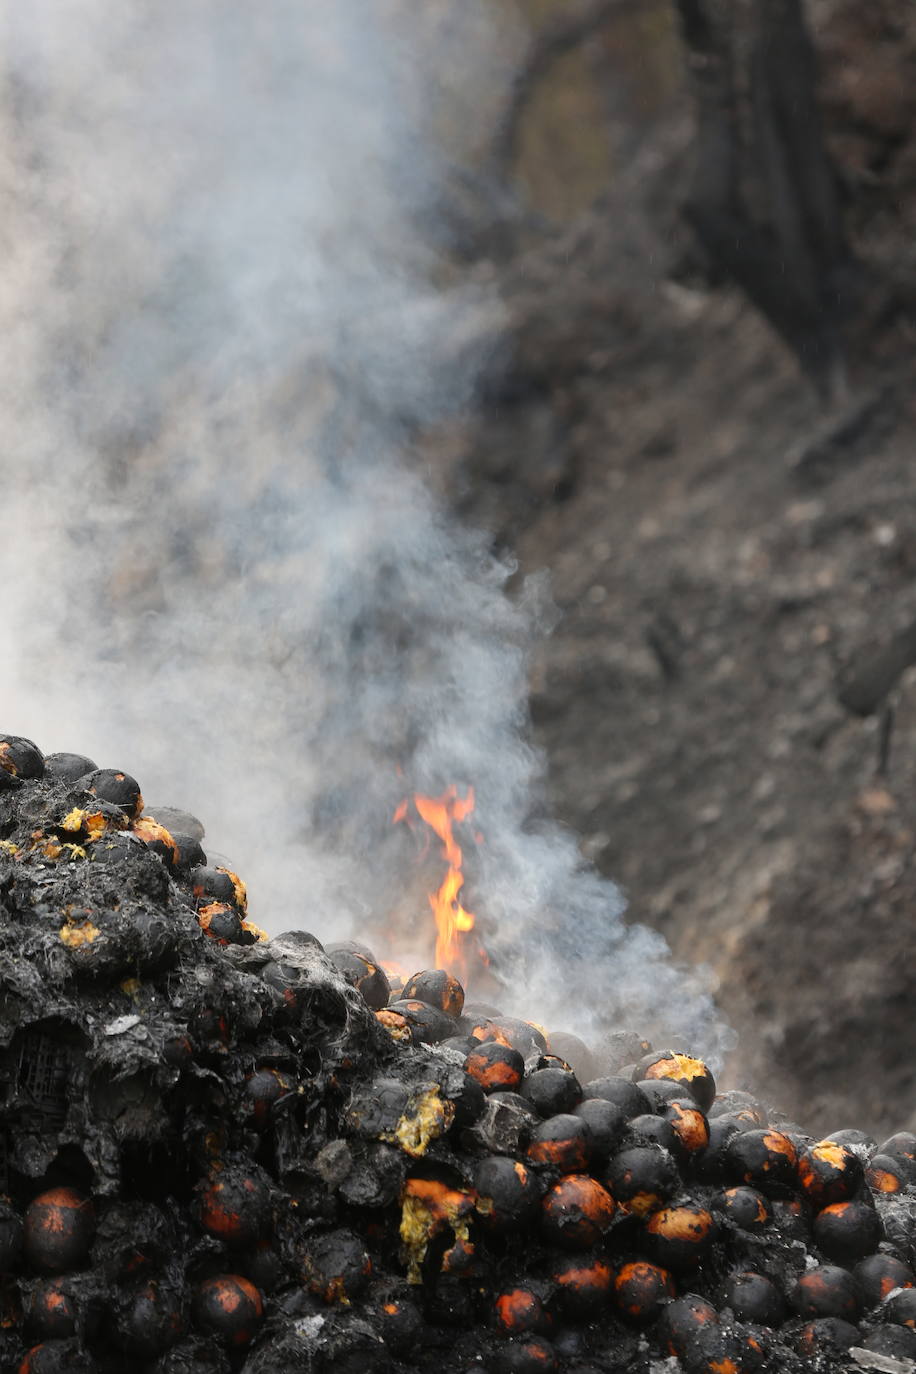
x=221, y=1152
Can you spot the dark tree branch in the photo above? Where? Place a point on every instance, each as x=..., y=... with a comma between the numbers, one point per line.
x=764, y=202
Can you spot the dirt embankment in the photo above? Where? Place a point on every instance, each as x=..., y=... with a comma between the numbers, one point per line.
x=731, y=562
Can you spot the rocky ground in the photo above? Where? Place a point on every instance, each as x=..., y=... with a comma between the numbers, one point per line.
x=734, y=567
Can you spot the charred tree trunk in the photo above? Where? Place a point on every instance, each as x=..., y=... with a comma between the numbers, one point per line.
x=764, y=202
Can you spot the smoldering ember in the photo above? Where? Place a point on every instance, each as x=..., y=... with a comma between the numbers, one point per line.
x=227, y=1152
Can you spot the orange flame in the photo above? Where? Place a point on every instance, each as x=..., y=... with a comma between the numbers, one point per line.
x=453, y=922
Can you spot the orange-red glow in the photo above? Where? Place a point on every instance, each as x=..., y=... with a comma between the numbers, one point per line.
x=453, y=922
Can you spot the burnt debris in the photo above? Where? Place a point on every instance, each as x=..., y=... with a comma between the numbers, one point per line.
x=221, y=1152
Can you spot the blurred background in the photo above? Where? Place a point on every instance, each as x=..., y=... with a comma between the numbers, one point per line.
x=721, y=483
x=630, y=284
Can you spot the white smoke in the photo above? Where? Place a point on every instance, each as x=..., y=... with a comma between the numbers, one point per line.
x=221, y=323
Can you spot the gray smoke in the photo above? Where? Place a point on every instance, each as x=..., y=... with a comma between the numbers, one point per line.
x=223, y=320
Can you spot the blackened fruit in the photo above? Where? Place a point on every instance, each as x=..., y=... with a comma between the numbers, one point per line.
x=879, y=1275
x=364, y=973
x=68, y=767
x=496, y=1067
x=178, y=821
x=574, y=1051
x=724, y=1350
x=481, y=1009
x=438, y=988
x=827, y=1291
x=623, y=1047
x=51, y=1311
x=736, y=1102
x=429, y=1024
x=690, y=1126
x=712, y=1164
x=606, y=1123
x=576, y=1212
x=58, y=1357
x=210, y=1029
x=228, y=1307
x=899, y=1342
x=157, y=839
x=151, y=1319
x=521, y=1307
x=659, y=1092
x=901, y=1145
x=791, y=1218
x=213, y=884
x=481, y=1028
x=468, y=1100
x=825, y=1336
x=461, y=1044
x=829, y=1173
x=507, y=1191
x=680, y=1237
x=59, y=1228
x=622, y=1092
x=397, y=1318
x=853, y=1139
x=754, y=1298
x=523, y=1036
x=508, y=1117
x=570, y=1344
x=901, y=1308
x=887, y=1175
x=847, y=1231
x=336, y=1266
x=642, y=1179
x=190, y=853
x=432, y=1209
x=563, y=1142
x=690, y=1073
x=655, y=1130
x=551, y=1091
x=222, y=923
x=263, y=1089
x=234, y=1206
x=765, y=1159
x=744, y=1207
x=109, y=784
x=380, y=1108
x=528, y=1355
x=583, y=1284
x=641, y=1291
x=681, y=1320
x=20, y=757
x=398, y=1027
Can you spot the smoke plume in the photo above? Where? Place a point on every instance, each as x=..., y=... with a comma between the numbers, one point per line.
x=223, y=319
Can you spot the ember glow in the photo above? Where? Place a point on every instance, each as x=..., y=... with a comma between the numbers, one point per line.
x=455, y=950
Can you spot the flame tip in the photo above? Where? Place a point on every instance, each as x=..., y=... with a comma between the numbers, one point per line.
x=452, y=920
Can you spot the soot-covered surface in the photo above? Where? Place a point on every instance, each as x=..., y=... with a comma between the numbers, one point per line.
x=221, y=1152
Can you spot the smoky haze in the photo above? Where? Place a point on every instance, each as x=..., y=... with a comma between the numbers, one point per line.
x=222, y=318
